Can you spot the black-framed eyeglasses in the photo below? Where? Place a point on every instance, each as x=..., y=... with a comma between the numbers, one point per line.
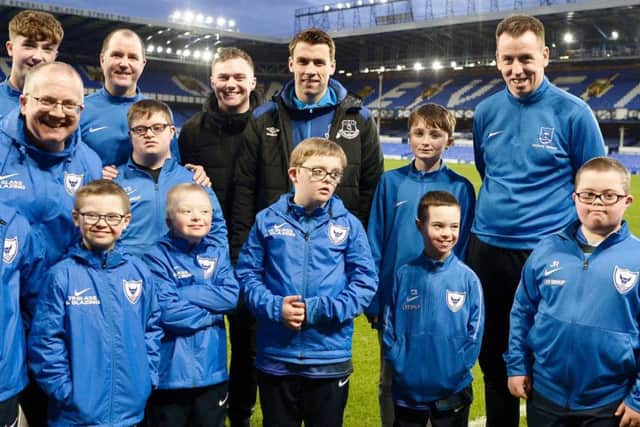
x=49, y=103
x=319, y=174
x=156, y=129
x=111, y=218
x=606, y=198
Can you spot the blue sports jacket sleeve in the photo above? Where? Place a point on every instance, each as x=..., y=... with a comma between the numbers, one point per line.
x=219, y=294
x=250, y=273
x=478, y=155
x=376, y=236
x=178, y=315
x=362, y=282
x=469, y=206
x=389, y=337
x=218, y=225
x=586, y=141
x=153, y=334
x=48, y=353
x=32, y=275
x=518, y=358
x=475, y=326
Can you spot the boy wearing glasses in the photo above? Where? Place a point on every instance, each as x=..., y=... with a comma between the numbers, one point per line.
x=574, y=339
x=150, y=173
x=196, y=287
x=307, y=273
x=94, y=343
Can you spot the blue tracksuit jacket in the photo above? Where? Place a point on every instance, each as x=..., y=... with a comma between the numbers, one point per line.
x=325, y=258
x=433, y=330
x=21, y=272
x=41, y=184
x=94, y=344
x=574, y=321
x=9, y=98
x=196, y=286
x=149, y=205
x=392, y=231
x=105, y=129
x=527, y=151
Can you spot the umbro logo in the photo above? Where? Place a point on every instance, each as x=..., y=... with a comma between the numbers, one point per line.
x=272, y=131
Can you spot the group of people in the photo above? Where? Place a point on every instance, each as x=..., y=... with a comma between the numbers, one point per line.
x=125, y=247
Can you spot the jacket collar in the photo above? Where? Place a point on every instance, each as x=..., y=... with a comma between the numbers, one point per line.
x=121, y=99
x=421, y=175
x=230, y=122
x=570, y=234
x=287, y=95
x=434, y=264
x=99, y=259
x=170, y=240
x=533, y=97
x=168, y=166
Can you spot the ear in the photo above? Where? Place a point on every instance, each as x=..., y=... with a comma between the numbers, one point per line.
x=126, y=221
x=9, y=47
x=253, y=83
x=293, y=175
x=545, y=55
x=169, y=222
x=23, y=104
x=333, y=67
x=418, y=224
x=211, y=82
x=291, y=64
x=628, y=200
x=449, y=143
x=76, y=218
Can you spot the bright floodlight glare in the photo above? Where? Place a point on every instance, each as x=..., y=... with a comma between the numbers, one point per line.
x=200, y=18
x=398, y=67
x=327, y=7
x=176, y=15
x=186, y=53
x=231, y=23
x=208, y=20
x=197, y=54
x=339, y=5
x=159, y=49
x=615, y=35
x=417, y=66
x=207, y=55
x=381, y=69
x=347, y=5
x=349, y=74
x=221, y=22
x=189, y=16
x=436, y=65
x=568, y=38
x=366, y=70
x=169, y=50
x=150, y=48
x=453, y=64
x=340, y=71
x=178, y=52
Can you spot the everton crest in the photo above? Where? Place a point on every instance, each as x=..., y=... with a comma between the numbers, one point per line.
x=10, y=249
x=207, y=264
x=624, y=279
x=72, y=181
x=349, y=130
x=455, y=300
x=337, y=233
x=132, y=290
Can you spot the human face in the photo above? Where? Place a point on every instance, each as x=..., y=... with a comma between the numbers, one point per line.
x=311, y=66
x=521, y=60
x=151, y=150
x=232, y=82
x=427, y=144
x=309, y=191
x=48, y=127
x=597, y=218
x=190, y=218
x=440, y=231
x=101, y=235
x=122, y=64
x=25, y=54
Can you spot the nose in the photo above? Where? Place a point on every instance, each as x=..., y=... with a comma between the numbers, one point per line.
x=38, y=55
x=57, y=110
x=517, y=67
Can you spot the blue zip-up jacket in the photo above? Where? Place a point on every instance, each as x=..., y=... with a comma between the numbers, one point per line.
x=527, y=151
x=324, y=257
x=9, y=98
x=196, y=286
x=392, y=231
x=105, y=128
x=21, y=272
x=433, y=330
x=149, y=205
x=41, y=184
x=575, y=321
x=94, y=344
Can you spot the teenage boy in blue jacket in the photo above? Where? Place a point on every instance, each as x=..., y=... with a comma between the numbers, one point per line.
x=94, y=343
x=21, y=269
x=392, y=235
x=307, y=272
x=433, y=324
x=196, y=287
x=574, y=342
x=149, y=175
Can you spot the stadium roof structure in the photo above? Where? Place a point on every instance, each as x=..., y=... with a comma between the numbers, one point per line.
x=467, y=41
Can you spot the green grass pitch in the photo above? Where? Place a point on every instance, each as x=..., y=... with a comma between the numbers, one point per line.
x=362, y=408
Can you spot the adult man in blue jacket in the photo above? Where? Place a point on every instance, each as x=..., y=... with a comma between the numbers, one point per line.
x=529, y=141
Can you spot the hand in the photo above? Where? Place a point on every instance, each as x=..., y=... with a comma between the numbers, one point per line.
x=630, y=417
x=293, y=312
x=520, y=386
x=109, y=172
x=373, y=321
x=199, y=175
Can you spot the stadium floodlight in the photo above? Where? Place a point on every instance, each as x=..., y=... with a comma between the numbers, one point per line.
x=615, y=35
x=417, y=66
x=207, y=55
x=159, y=49
x=453, y=64
x=372, y=1
x=340, y=71
x=208, y=20
x=176, y=15
x=179, y=52
x=169, y=50
x=231, y=23
x=381, y=69
x=221, y=21
x=347, y=5
x=339, y=5
x=349, y=74
x=188, y=17
x=399, y=67
x=197, y=54
x=200, y=18
x=327, y=8
x=187, y=33
x=150, y=48
x=186, y=53
x=436, y=65
x=568, y=37
x=366, y=70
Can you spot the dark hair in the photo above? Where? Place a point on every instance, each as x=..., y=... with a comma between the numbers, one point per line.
x=148, y=107
x=36, y=25
x=102, y=187
x=433, y=115
x=313, y=36
x=127, y=33
x=435, y=198
x=227, y=53
x=517, y=25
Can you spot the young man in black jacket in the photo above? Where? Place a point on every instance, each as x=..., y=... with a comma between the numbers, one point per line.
x=211, y=138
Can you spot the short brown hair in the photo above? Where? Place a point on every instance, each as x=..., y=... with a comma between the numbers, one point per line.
x=606, y=164
x=433, y=115
x=435, y=198
x=148, y=107
x=313, y=36
x=101, y=187
x=127, y=33
x=36, y=25
x=517, y=25
x=227, y=53
x=173, y=196
x=316, y=147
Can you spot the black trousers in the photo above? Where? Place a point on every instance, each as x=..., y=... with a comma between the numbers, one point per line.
x=243, y=381
x=544, y=413
x=9, y=412
x=499, y=271
x=450, y=412
x=289, y=400
x=34, y=404
x=190, y=407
